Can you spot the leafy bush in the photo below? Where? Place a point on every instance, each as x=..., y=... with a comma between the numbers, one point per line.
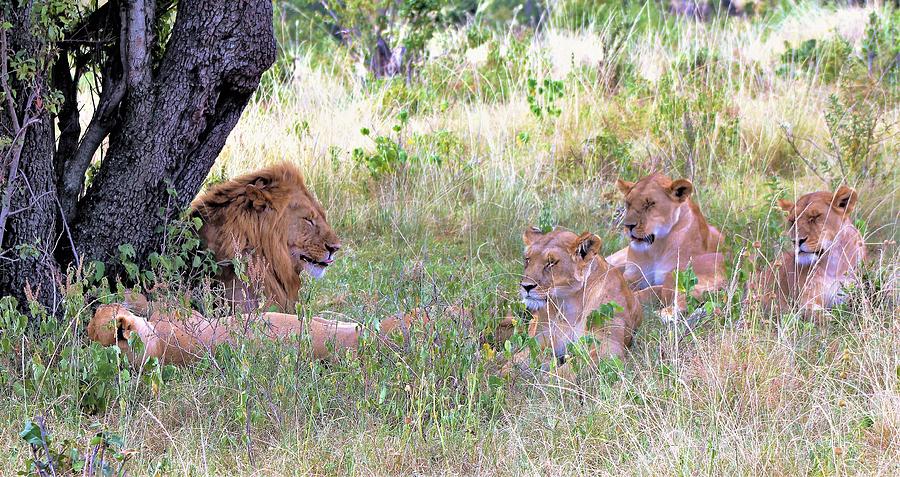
x=881, y=46
x=827, y=58
x=853, y=141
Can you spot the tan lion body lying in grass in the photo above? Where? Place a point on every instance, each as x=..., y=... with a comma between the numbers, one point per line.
x=564, y=282
x=181, y=337
x=667, y=232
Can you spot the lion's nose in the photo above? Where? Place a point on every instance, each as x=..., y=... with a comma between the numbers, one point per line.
x=332, y=249
x=801, y=241
x=528, y=286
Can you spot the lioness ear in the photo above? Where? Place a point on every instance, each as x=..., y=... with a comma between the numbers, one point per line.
x=531, y=234
x=586, y=246
x=624, y=186
x=257, y=198
x=681, y=189
x=844, y=199
x=785, y=205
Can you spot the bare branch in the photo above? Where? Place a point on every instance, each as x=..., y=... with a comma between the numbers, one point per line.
x=72, y=180
x=791, y=140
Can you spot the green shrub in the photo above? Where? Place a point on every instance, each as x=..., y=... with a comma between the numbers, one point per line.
x=826, y=58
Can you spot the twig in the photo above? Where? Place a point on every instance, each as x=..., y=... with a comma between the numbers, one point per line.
x=792, y=142
x=40, y=423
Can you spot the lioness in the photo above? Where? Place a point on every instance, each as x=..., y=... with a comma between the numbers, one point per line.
x=564, y=281
x=181, y=336
x=826, y=251
x=667, y=232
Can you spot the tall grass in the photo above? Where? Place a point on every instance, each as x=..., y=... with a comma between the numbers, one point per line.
x=726, y=103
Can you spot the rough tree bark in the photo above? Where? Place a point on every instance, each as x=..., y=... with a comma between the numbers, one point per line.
x=165, y=119
x=30, y=215
x=176, y=120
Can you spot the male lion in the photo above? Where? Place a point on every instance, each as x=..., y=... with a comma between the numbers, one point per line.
x=667, y=232
x=564, y=282
x=182, y=336
x=827, y=250
x=269, y=218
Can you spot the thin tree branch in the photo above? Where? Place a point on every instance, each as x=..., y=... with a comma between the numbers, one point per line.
x=792, y=142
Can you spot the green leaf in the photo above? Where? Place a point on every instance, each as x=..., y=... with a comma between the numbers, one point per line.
x=32, y=434
x=603, y=314
x=99, y=270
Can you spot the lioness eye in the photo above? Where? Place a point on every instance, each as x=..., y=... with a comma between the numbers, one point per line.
x=309, y=221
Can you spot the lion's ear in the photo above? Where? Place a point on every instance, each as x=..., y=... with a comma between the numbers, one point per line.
x=681, y=189
x=624, y=186
x=785, y=205
x=586, y=246
x=531, y=234
x=257, y=197
x=844, y=199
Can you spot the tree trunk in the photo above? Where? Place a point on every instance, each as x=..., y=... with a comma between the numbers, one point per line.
x=175, y=122
x=165, y=119
x=29, y=237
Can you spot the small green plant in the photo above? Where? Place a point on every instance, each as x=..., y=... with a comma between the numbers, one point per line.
x=603, y=314
x=389, y=155
x=546, y=220
x=543, y=95
x=104, y=456
x=881, y=46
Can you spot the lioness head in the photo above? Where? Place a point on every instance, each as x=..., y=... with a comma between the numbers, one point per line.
x=556, y=265
x=271, y=215
x=814, y=221
x=652, y=207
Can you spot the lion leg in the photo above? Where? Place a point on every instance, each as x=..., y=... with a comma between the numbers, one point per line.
x=619, y=258
x=505, y=330
x=327, y=335
x=710, y=271
x=114, y=324
x=674, y=303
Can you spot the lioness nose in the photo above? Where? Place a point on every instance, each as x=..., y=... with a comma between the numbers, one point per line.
x=630, y=227
x=333, y=248
x=801, y=241
x=528, y=286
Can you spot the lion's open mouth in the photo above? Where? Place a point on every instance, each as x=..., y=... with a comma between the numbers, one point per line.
x=314, y=267
x=647, y=239
x=316, y=262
